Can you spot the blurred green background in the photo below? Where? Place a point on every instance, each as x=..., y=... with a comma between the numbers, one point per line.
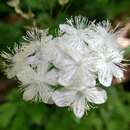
x=16, y=17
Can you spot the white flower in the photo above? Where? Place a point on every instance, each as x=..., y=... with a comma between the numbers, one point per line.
x=39, y=41
x=101, y=35
x=76, y=28
x=82, y=54
x=109, y=65
x=16, y=61
x=74, y=62
x=79, y=99
x=29, y=53
x=110, y=55
x=37, y=81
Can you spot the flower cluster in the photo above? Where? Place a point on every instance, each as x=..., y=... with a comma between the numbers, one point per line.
x=67, y=69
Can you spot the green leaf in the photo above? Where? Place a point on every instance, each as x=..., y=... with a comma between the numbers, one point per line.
x=7, y=111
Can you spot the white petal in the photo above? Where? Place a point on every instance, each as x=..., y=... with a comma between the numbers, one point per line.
x=90, y=62
x=67, y=29
x=95, y=95
x=63, y=97
x=61, y=61
x=89, y=79
x=82, y=79
x=95, y=42
x=49, y=51
x=79, y=107
x=30, y=93
x=45, y=93
x=66, y=76
x=31, y=60
x=117, y=72
x=51, y=77
x=26, y=76
x=42, y=68
x=116, y=57
x=105, y=75
x=73, y=47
